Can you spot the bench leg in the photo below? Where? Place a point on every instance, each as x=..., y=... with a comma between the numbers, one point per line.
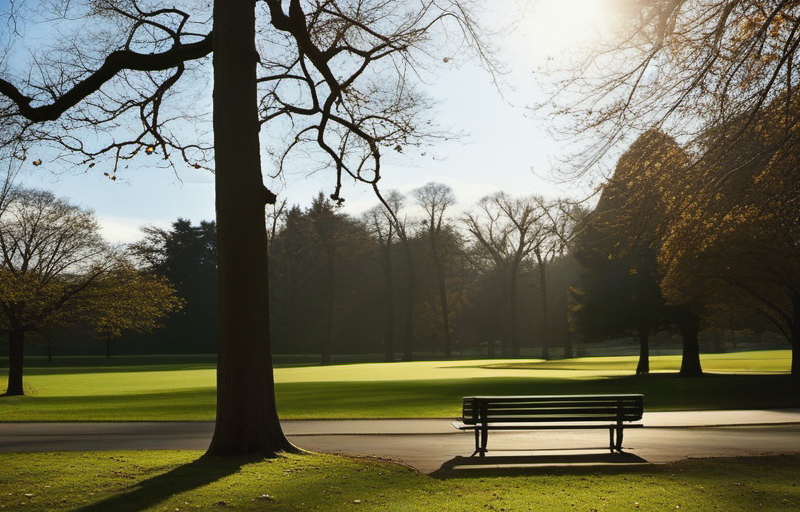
x=615, y=444
x=481, y=437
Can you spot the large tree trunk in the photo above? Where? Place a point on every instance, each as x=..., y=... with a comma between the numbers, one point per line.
x=327, y=338
x=795, y=333
x=16, y=349
x=545, y=321
x=408, y=342
x=643, y=368
x=448, y=348
x=796, y=347
x=689, y=325
x=247, y=419
x=568, y=345
x=501, y=323
x=387, y=275
x=512, y=306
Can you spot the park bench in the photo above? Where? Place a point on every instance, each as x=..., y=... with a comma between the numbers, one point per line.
x=614, y=412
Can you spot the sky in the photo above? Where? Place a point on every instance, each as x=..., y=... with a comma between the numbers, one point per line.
x=504, y=147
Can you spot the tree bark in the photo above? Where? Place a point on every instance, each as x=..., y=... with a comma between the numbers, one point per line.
x=247, y=420
x=568, y=345
x=689, y=325
x=327, y=338
x=387, y=275
x=448, y=348
x=512, y=306
x=545, y=321
x=796, y=346
x=643, y=368
x=16, y=349
x=501, y=325
x=408, y=342
x=795, y=333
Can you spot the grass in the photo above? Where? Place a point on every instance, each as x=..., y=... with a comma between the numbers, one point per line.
x=159, y=389
x=184, y=390
x=182, y=481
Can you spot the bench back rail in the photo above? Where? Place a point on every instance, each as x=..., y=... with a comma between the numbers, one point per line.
x=478, y=410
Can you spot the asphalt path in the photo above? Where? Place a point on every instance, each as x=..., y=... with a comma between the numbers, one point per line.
x=433, y=444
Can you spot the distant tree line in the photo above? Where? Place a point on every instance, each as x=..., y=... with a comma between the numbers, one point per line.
x=509, y=277
x=414, y=280
x=669, y=247
x=518, y=276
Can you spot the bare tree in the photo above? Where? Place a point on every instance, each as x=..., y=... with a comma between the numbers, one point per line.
x=276, y=214
x=393, y=204
x=506, y=228
x=335, y=74
x=550, y=242
x=435, y=199
x=381, y=224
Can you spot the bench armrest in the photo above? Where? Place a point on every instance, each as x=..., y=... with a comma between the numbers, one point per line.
x=460, y=425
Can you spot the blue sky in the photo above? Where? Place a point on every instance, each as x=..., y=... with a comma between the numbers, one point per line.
x=504, y=149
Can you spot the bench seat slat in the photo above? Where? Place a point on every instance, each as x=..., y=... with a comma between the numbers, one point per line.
x=553, y=398
x=575, y=414
x=550, y=403
x=538, y=426
x=544, y=411
x=550, y=419
x=565, y=399
x=488, y=406
x=546, y=419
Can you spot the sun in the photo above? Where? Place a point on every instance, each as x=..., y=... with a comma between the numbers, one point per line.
x=548, y=27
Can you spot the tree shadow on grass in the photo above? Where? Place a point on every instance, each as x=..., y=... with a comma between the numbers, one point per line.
x=153, y=491
x=515, y=465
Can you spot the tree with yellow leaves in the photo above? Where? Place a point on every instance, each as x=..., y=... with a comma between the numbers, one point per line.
x=126, y=299
x=619, y=246
x=56, y=270
x=736, y=241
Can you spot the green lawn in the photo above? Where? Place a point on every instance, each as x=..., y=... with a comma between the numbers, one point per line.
x=182, y=481
x=180, y=389
x=184, y=390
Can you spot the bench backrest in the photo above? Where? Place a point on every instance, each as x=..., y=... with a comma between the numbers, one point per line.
x=509, y=409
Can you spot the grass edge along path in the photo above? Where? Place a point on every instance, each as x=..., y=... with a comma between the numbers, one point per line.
x=182, y=481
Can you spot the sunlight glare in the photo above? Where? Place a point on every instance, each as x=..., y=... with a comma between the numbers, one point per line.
x=552, y=26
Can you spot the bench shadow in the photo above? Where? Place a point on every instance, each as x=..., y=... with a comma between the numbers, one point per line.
x=151, y=492
x=512, y=465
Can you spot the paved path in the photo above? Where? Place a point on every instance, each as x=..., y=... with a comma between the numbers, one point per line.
x=431, y=444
